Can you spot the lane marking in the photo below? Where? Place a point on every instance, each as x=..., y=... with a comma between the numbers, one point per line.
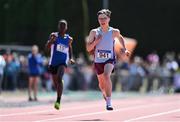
x=153, y=115
x=103, y=112
x=44, y=111
x=25, y=113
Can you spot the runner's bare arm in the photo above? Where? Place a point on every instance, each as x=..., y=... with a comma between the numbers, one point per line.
x=92, y=41
x=51, y=40
x=116, y=33
x=71, y=51
x=70, y=47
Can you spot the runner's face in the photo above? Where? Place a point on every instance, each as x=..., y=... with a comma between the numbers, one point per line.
x=62, y=27
x=103, y=20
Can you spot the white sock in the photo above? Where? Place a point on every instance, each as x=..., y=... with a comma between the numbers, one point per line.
x=108, y=101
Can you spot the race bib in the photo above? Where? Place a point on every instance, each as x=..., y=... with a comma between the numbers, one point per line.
x=62, y=48
x=104, y=54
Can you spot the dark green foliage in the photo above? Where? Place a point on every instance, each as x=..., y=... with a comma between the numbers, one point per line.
x=154, y=23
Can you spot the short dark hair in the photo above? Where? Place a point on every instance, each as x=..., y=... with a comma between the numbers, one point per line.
x=63, y=21
x=107, y=12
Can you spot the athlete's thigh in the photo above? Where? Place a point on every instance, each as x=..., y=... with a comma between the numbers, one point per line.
x=108, y=68
x=60, y=72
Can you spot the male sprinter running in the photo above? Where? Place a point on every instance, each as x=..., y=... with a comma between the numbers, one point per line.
x=101, y=40
x=60, y=45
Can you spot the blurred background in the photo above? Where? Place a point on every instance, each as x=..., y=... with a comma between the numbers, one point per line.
x=153, y=66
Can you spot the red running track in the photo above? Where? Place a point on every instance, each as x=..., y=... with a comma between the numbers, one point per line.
x=152, y=108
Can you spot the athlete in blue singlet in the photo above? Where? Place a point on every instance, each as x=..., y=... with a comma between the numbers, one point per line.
x=101, y=41
x=60, y=46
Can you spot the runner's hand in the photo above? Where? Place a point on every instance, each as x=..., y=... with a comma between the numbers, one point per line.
x=71, y=61
x=53, y=37
x=98, y=38
x=125, y=51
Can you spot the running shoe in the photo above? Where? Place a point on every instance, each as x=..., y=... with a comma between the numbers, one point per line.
x=57, y=105
x=109, y=107
x=30, y=99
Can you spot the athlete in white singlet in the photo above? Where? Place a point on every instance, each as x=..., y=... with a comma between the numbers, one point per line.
x=101, y=41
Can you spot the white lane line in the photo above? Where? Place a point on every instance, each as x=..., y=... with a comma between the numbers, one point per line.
x=44, y=111
x=25, y=113
x=103, y=112
x=153, y=115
